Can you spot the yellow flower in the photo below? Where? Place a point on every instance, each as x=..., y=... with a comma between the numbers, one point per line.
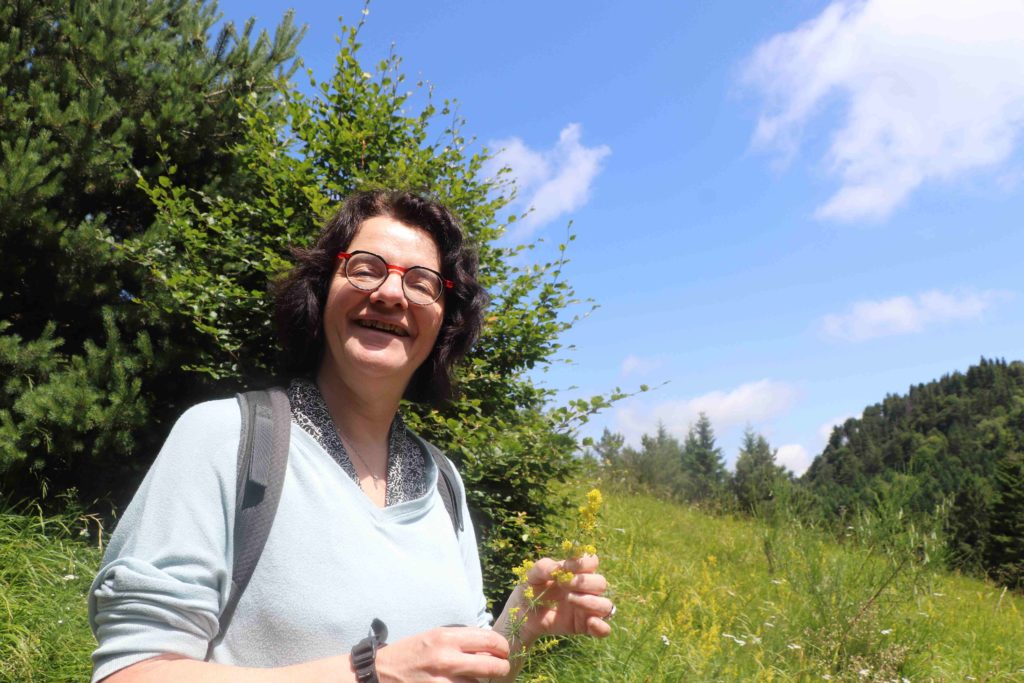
x=562, y=576
x=566, y=546
x=522, y=570
x=528, y=593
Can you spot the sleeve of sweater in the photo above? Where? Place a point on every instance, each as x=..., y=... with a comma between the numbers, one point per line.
x=167, y=570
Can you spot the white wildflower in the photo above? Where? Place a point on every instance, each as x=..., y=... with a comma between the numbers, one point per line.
x=665, y=641
x=885, y=631
x=794, y=646
x=70, y=577
x=777, y=582
x=863, y=672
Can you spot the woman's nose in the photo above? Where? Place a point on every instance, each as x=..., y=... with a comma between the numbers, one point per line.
x=391, y=289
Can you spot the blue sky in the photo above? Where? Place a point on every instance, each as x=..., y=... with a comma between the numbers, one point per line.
x=786, y=211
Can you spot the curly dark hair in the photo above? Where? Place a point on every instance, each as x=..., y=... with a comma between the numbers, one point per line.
x=300, y=296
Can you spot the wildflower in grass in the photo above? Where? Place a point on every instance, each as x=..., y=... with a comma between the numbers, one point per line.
x=794, y=646
x=665, y=641
x=579, y=543
x=885, y=631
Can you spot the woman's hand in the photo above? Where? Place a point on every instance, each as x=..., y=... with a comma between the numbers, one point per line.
x=575, y=607
x=448, y=654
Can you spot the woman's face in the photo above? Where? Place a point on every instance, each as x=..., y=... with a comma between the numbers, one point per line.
x=379, y=336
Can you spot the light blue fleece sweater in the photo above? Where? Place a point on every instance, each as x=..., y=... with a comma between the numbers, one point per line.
x=332, y=563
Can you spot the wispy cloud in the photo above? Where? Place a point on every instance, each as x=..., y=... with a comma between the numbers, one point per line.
x=550, y=182
x=825, y=430
x=639, y=365
x=794, y=457
x=752, y=403
x=932, y=89
x=905, y=315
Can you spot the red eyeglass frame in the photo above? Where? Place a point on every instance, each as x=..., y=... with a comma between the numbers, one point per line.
x=448, y=284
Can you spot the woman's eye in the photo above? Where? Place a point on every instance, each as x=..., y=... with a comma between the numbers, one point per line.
x=362, y=269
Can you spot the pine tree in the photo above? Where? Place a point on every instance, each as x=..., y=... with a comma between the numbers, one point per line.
x=91, y=94
x=702, y=462
x=1006, y=540
x=608, y=450
x=757, y=476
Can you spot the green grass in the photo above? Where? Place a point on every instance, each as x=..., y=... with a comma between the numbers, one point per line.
x=45, y=572
x=696, y=602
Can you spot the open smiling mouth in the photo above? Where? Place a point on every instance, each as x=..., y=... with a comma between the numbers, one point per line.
x=383, y=327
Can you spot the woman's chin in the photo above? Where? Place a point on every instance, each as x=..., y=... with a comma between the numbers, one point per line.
x=383, y=361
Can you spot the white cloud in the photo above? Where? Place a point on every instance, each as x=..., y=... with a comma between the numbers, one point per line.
x=825, y=430
x=905, y=314
x=637, y=365
x=794, y=457
x=932, y=89
x=753, y=402
x=551, y=182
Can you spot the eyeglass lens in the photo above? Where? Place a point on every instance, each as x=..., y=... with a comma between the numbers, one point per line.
x=368, y=272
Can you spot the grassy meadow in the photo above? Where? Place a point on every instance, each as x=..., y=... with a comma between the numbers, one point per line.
x=705, y=598
x=700, y=598
x=45, y=571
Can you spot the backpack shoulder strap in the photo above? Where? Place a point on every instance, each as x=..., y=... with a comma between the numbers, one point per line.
x=445, y=483
x=262, y=462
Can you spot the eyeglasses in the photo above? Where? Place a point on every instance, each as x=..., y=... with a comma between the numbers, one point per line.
x=367, y=271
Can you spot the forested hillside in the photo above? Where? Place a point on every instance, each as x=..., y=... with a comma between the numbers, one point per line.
x=956, y=442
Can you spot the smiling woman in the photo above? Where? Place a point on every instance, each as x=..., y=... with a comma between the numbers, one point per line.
x=378, y=310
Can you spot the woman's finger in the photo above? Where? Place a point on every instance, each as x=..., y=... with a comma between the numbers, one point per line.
x=541, y=570
x=595, y=605
x=589, y=583
x=475, y=667
x=585, y=564
x=477, y=641
x=598, y=627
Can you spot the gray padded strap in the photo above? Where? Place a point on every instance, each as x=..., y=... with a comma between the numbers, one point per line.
x=262, y=463
x=445, y=482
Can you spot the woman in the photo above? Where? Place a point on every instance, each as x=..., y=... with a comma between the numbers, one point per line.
x=380, y=309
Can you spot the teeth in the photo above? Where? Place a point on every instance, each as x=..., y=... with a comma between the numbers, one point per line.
x=384, y=327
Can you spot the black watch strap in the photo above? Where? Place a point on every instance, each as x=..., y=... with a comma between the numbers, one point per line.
x=364, y=654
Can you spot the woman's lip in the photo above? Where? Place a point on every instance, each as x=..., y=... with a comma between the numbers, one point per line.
x=395, y=329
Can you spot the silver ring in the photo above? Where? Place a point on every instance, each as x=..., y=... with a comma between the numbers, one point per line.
x=611, y=613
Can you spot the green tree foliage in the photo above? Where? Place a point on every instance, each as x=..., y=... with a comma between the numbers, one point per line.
x=214, y=255
x=702, y=463
x=757, y=477
x=947, y=445
x=608, y=450
x=654, y=468
x=92, y=93
x=1005, y=548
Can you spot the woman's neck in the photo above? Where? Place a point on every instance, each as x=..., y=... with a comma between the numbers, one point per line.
x=362, y=417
